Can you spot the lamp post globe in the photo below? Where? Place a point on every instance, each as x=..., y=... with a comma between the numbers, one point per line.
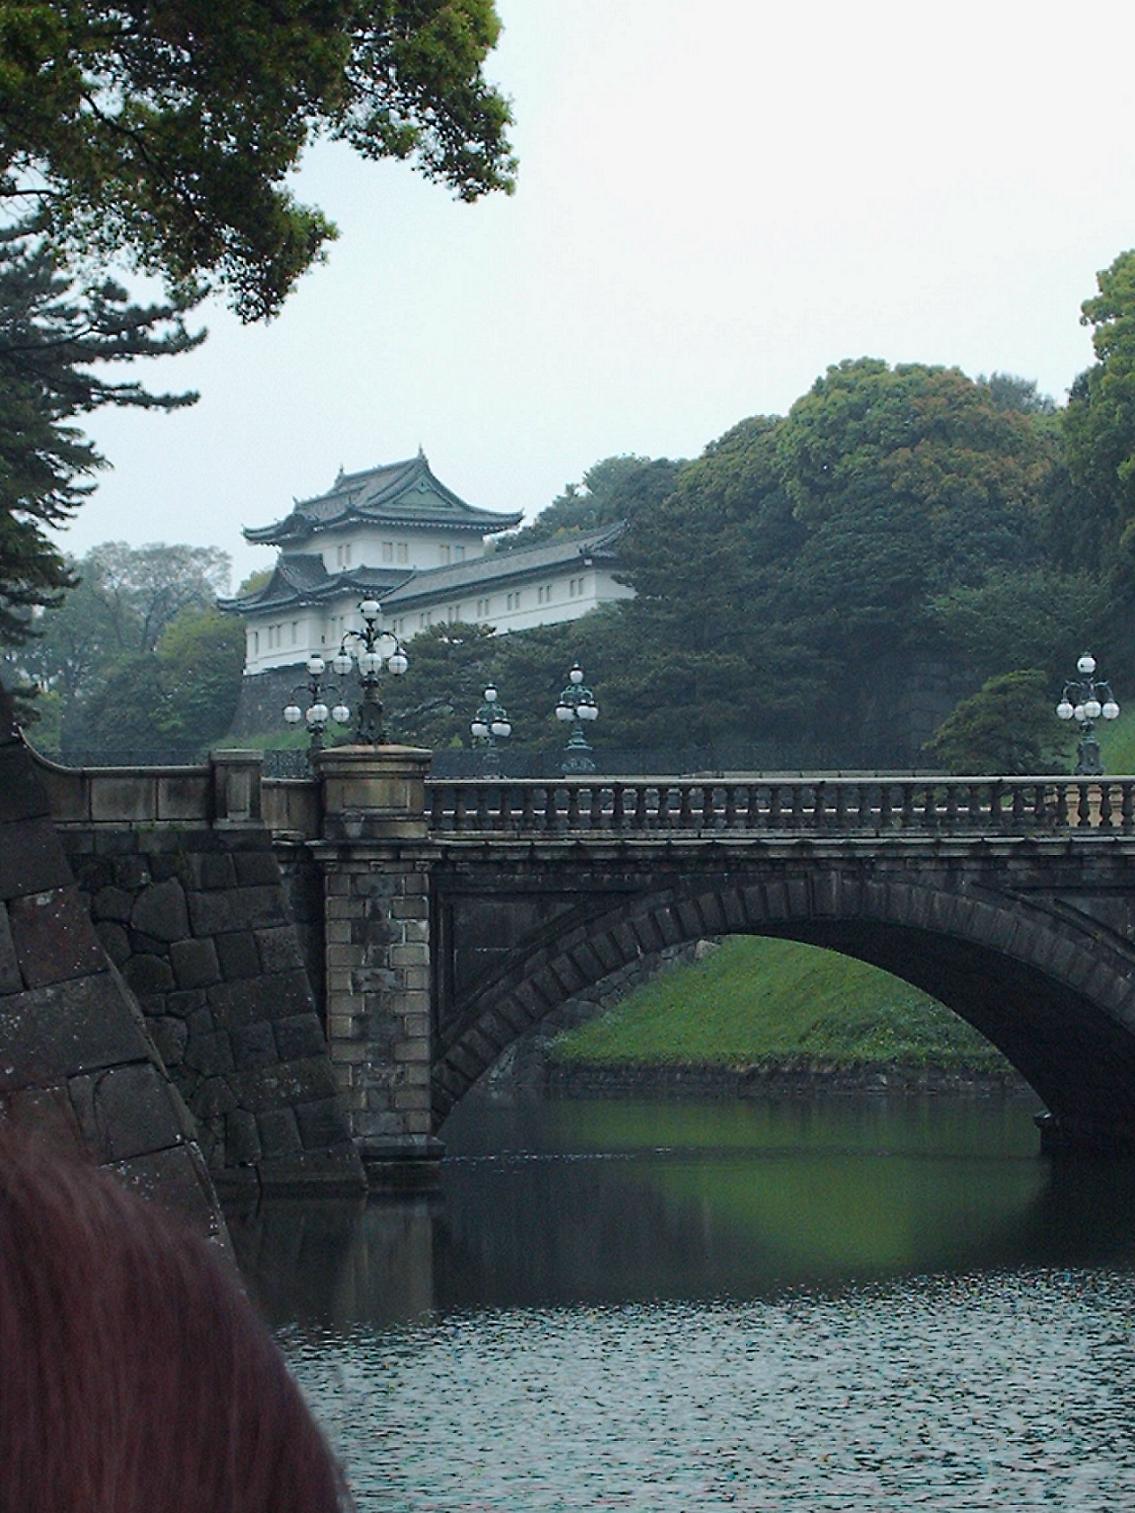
x=488, y=726
x=1086, y=699
x=576, y=705
x=371, y=650
x=314, y=712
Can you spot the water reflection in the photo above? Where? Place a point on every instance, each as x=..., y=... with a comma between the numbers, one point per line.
x=834, y=1307
x=571, y=1203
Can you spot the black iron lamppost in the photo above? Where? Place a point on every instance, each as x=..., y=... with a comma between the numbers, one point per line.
x=374, y=649
x=1084, y=700
x=577, y=705
x=317, y=712
x=489, y=725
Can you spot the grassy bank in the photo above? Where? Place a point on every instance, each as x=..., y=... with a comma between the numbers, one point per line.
x=764, y=1002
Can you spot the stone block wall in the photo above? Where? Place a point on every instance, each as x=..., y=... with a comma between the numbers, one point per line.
x=76, y=1062
x=197, y=921
x=378, y=999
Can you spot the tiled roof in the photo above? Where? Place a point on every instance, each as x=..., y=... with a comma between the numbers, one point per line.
x=506, y=567
x=303, y=579
x=405, y=493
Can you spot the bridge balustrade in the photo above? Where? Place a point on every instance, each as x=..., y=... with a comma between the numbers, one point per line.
x=868, y=806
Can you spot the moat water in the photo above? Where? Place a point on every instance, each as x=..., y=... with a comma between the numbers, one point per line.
x=840, y=1304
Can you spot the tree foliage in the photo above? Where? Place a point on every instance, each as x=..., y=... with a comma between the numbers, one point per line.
x=137, y=654
x=169, y=129
x=56, y=342
x=617, y=488
x=1007, y=727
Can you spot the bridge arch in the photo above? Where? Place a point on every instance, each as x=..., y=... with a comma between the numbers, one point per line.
x=1054, y=992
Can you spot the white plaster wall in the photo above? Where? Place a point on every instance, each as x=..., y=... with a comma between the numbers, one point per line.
x=561, y=596
x=399, y=548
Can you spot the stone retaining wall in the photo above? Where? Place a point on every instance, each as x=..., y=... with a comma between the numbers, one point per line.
x=77, y=1064
x=186, y=895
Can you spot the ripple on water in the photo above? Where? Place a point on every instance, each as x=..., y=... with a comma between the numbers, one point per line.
x=1012, y=1391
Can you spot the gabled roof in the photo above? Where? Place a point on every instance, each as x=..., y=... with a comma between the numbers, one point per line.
x=501, y=568
x=303, y=579
x=394, y=493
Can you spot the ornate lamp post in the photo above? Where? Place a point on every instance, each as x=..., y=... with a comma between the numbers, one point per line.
x=317, y=713
x=373, y=648
x=577, y=705
x=1084, y=700
x=489, y=725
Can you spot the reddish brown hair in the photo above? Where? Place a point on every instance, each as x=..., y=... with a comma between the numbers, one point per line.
x=135, y=1377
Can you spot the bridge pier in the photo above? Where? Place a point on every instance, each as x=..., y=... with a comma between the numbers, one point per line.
x=376, y=885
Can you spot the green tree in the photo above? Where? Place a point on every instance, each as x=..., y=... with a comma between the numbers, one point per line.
x=1039, y=617
x=1099, y=432
x=1006, y=728
x=433, y=702
x=617, y=488
x=169, y=130
x=56, y=342
x=126, y=603
x=200, y=657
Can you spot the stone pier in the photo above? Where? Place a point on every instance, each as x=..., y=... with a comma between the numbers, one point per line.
x=374, y=859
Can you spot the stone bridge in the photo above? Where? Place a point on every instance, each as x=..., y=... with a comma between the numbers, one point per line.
x=1011, y=900
x=441, y=920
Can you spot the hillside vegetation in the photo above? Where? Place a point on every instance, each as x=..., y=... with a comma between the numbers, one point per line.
x=766, y=1002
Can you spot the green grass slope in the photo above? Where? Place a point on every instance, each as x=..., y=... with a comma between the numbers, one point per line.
x=1117, y=743
x=766, y=1002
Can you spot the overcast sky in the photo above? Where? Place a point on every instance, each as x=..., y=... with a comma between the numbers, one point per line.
x=717, y=199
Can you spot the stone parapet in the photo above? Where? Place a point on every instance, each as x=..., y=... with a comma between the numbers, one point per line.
x=373, y=793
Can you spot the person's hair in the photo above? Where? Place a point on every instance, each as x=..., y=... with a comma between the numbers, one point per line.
x=135, y=1377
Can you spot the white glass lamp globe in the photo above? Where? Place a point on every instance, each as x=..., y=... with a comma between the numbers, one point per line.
x=315, y=664
x=398, y=663
x=589, y=711
x=1081, y=713
x=341, y=714
x=501, y=728
x=318, y=714
x=479, y=729
x=1086, y=664
x=576, y=674
x=1092, y=708
x=1110, y=710
x=564, y=711
x=1064, y=710
x=369, y=663
x=342, y=661
x=370, y=609
x=293, y=714
x=490, y=695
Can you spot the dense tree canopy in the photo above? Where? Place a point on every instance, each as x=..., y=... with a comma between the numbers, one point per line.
x=55, y=344
x=137, y=654
x=1099, y=430
x=168, y=130
x=1007, y=727
x=617, y=488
